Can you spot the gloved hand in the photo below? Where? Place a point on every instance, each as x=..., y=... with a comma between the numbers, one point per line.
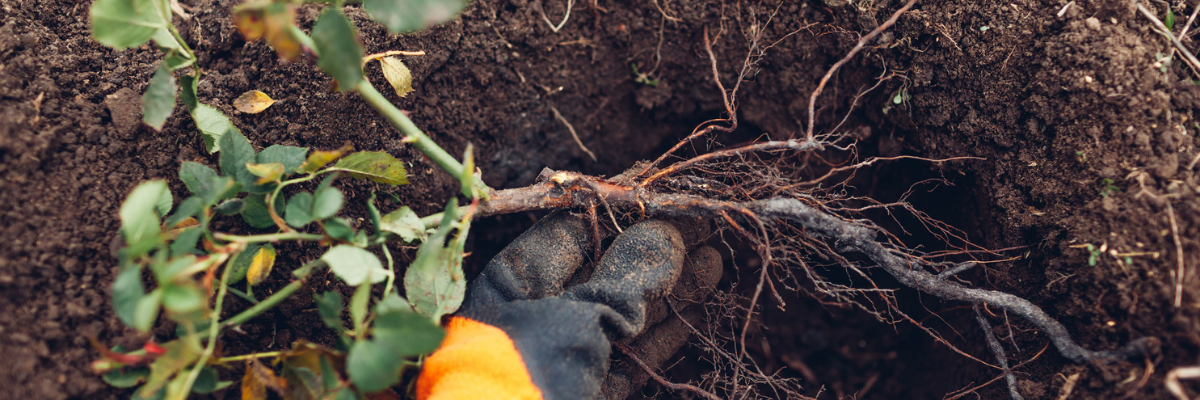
x=523, y=334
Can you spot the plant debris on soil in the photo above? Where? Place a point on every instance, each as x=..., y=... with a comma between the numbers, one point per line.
x=1079, y=116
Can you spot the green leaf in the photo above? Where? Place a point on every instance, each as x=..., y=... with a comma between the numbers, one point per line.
x=206, y=381
x=138, y=220
x=212, y=124
x=373, y=366
x=165, y=201
x=196, y=177
x=126, y=377
x=339, y=228
x=122, y=24
x=186, y=242
x=1170, y=20
x=159, y=100
x=166, y=41
x=392, y=302
x=337, y=42
x=236, y=151
x=182, y=299
x=158, y=394
x=326, y=202
x=187, y=93
x=166, y=273
x=409, y=334
x=146, y=311
x=256, y=213
x=412, y=15
x=177, y=59
x=358, y=306
x=240, y=263
x=376, y=218
x=319, y=158
x=434, y=281
x=127, y=291
x=354, y=265
x=376, y=166
x=299, y=210
x=329, y=305
x=290, y=156
x=405, y=223
x=187, y=209
x=222, y=187
x=231, y=207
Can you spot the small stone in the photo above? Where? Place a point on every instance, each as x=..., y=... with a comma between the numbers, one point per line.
x=1092, y=23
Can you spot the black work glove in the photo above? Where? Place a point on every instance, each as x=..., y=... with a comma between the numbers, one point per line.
x=564, y=334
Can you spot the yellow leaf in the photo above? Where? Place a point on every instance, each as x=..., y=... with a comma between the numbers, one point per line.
x=261, y=266
x=397, y=74
x=269, y=172
x=253, y=102
x=318, y=159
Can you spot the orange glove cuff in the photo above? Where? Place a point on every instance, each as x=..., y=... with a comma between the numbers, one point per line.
x=475, y=361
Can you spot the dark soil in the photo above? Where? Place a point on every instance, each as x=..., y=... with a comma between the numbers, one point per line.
x=1057, y=106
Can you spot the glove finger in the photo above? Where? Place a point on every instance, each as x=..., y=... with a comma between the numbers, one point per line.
x=536, y=264
x=667, y=333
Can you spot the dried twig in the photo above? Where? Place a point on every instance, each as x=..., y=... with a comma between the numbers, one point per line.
x=1179, y=273
x=1188, y=57
x=1173, y=377
x=555, y=28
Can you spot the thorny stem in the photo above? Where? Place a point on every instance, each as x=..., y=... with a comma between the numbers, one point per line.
x=224, y=360
x=273, y=237
x=213, y=328
x=264, y=304
x=421, y=141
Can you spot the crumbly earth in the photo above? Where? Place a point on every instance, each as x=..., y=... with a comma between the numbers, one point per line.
x=1086, y=132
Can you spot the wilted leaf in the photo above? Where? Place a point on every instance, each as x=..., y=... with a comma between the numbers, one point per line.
x=310, y=371
x=373, y=366
x=319, y=158
x=122, y=24
x=261, y=264
x=159, y=100
x=248, y=17
x=341, y=55
x=240, y=263
x=257, y=379
x=299, y=210
x=266, y=173
x=397, y=74
x=434, y=281
x=405, y=223
x=212, y=124
x=127, y=290
x=290, y=157
x=412, y=15
x=179, y=354
x=354, y=265
x=376, y=166
x=252, y=102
